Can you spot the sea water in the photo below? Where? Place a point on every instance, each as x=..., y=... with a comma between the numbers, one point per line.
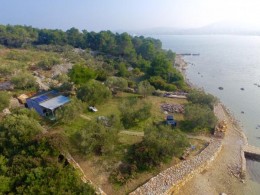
x=231, y=62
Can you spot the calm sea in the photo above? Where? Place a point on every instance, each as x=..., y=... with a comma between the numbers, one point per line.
x=231, y=62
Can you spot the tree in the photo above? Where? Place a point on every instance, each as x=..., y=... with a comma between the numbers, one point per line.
x=93, y=93
x=160, y=66
x=80, y=74
x=198, y=118
x=70, y=111
x=16, y=131
x=74, y=37
x=133, y=111
x=96, y=138
x=160, y=143
x=144, y=88
x=4, y=100
x=125, y=46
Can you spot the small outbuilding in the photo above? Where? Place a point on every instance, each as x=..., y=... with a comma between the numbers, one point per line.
x=46, y=103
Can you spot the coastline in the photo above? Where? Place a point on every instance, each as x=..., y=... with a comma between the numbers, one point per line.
x=219, y=168
x=233, y=143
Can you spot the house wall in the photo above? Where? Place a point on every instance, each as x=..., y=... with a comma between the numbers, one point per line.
x=34, y=105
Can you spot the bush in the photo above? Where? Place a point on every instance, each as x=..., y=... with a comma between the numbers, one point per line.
x=48, y=63
x=159, y=83
x=145, y=89
x=24, y=81
x=4, y=100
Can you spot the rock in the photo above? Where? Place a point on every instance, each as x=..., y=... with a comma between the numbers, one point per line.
x=242, y=89
x=220, y=88
x=223, y=193
x=6, y=111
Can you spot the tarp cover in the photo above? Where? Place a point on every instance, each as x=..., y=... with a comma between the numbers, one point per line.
x=55, y=102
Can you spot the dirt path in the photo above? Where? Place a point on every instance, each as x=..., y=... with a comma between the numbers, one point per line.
x=218, y=177
x=139, y=134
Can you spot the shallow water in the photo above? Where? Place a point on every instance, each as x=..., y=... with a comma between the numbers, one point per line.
x=231, y=62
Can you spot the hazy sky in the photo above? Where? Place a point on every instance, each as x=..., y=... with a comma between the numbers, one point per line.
x=127, y=14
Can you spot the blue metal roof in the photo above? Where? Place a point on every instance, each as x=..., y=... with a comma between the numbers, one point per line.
x=45, y=96
x=55, y=102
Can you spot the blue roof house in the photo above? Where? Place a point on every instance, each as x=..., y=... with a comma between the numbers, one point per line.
x=46, y=103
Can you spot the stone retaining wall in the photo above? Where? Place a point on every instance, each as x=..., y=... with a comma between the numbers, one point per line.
x=170, y=180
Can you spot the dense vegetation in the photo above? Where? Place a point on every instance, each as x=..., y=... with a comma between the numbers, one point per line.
x=102, y=67
x=29, y=162
x=145, y=55
x=199, y=115
x=160, y=144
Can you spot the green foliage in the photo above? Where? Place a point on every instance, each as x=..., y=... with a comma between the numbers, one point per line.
x=93, y=93
x=160, y=144
x=134, y=111
x=122, y=70
x=96, y=138
x=116, y=83
x=145, y=89
x=198, y=118
x=80, y=74
x=200, y=97
x=16, y=130
x=4, y=100
x=160, y=66
x=24, y=81
x=70, y=111
x=29, y=163
x=30, y=113
x=159, y=83
x=49, y=62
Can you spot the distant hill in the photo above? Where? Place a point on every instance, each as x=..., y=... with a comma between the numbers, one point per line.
x=215, y=28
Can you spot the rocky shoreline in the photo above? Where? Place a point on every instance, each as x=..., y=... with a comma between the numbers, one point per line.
x=230, y=169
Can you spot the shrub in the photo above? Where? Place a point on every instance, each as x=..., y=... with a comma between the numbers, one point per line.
x=4, y=100
x=24, y=81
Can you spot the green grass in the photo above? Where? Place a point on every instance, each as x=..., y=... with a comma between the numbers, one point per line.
x=129, y=139
x=74, y=126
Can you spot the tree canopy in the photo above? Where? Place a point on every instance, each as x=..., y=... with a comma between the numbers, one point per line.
x=93, y=93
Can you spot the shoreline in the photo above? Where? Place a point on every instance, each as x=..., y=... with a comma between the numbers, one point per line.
x=182, y=66
x=235, y=128
x=219, y=168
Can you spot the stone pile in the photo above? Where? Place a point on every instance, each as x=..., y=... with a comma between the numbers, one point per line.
x=170, y=180
x=173, y=108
